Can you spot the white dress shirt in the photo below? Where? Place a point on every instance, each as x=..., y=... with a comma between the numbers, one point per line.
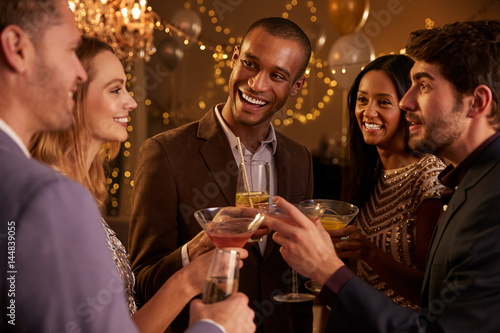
x=10, y=132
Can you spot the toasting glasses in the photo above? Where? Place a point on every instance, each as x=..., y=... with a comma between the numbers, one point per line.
x=313, y=213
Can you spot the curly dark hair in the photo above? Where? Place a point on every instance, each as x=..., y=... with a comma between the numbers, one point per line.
x=467, y=54
x=359, y=180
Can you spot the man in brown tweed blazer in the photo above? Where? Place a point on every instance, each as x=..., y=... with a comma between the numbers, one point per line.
x=195, y=166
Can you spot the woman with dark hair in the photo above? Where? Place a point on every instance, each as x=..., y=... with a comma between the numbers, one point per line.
x=395, y=188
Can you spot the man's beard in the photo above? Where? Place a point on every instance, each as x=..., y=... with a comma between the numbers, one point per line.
x=440, y=134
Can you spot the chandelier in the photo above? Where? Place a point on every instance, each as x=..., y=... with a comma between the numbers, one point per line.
x=126, y=25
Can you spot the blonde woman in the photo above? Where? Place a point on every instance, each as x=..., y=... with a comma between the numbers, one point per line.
x=100, y=114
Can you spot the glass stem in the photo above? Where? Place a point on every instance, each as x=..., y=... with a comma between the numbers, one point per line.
x=295, y=287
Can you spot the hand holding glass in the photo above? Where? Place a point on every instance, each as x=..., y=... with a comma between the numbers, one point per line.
x=275, y=212
x=337, y=215
x=222, y=277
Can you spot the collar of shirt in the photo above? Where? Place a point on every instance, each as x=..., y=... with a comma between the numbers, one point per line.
x=11, y=134
x=270, y=139
x=452, y=176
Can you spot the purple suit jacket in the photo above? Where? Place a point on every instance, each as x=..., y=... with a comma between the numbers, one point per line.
x=56, y=274
x=192, y=167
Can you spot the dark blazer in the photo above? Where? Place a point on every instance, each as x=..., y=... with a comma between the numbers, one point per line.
x=461, y=289
x=192, y=167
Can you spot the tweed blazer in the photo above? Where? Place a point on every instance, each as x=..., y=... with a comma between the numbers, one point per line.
x=192, y=167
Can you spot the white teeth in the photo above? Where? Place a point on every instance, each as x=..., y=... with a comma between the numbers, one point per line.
x=373, y=126
x=252, y=100
x=121, y=120
x=70, y=94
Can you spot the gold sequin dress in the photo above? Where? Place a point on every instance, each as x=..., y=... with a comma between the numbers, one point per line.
x=122, y=262
x=388, y=218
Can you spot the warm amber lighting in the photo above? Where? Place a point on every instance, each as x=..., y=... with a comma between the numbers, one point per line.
x=136, y=12
x=126, y=25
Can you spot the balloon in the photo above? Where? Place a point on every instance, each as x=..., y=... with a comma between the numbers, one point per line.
x=348, y=16
x=348, y=54
x=170, y=52
x=189, y=22
x=317, y=36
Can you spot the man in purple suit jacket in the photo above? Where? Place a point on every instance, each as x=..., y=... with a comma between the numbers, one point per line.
x=56, y=274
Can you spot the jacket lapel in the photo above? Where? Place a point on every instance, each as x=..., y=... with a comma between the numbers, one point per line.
x=282, y=159
x=218, y=156
x=455, y=203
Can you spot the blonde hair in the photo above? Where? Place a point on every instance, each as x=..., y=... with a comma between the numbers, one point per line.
x=67, y=151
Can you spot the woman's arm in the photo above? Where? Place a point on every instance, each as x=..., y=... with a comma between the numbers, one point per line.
x=157, y=314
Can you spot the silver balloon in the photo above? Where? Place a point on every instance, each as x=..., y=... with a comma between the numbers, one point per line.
x=348, y=55
x=170, y=52
x=188, y=21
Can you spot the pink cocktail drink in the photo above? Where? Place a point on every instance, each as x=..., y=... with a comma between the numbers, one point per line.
x=229, y=226
x=228, y=239
x=229, y=233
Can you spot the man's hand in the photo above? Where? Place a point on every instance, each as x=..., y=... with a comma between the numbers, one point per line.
x=233, y=313
x=200, y=244
x=305, y=245
x=357, y=247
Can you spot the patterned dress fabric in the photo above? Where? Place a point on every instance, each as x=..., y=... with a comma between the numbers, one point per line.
x=122, y=262
x=388, y=218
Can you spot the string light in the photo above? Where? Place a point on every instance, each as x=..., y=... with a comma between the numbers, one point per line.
x=221, y=55
x=429, y=24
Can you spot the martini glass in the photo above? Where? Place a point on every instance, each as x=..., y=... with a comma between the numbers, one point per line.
x=337, y=215
x=312, y=212
x=229, y=226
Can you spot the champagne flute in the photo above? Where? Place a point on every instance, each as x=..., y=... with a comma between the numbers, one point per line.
x=337, y=215
x=252, y=188
x=313, y=213
x=222, y=277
